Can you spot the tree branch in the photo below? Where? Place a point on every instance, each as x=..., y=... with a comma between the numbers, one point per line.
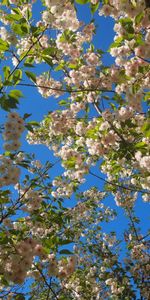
x=118, y=185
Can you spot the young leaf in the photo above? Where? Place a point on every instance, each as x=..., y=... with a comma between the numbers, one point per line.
x=4, y=46
x=31, y=75
x=15, y=94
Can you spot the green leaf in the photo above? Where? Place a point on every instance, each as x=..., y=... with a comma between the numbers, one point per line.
x=65, y=242
x=4, y=281
x=139, y=18
x=48, y=60
x=49, y=51
x=19, y=297
x=29, y=62
x=17, y=76
x=15, y=94
x=17, y=29
x=36, y=30
x=139, y=40
x=65, y=251
x=17, y=11
x=72, y=66
x=62, y=102
x=116, y=44
x=7, y=153
x=5, y=2
x=140, y=145
x=13, y=17
x=26, y=116
x=94, y=7
x=34, y=123
x=31, y=75
x=29, y=14
x=20, y=29
x=82, y=1
x=4, y=46
x=125, y=21
x=4, y=200
x=7, y=103
x=70, y=163
x=147, y=96
x=64, y=297
x=6, y=71
x=12, y=102
x=127, y=24
x=59, y=67
x=146, y=128
x=29, y=127
x=25, y=28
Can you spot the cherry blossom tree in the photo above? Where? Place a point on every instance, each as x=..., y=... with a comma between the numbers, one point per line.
x=53, y=238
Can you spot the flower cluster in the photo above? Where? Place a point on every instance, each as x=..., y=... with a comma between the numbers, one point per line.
x=48, y=87
x=9, y=172
x=61, y=15
x=62, y=268
x=10, y=37
x=20, y=262
x=13, y=130
x=33, y=200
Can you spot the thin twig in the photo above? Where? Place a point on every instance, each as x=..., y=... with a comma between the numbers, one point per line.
x=24, y=56
x=132, y=222
x=18, y=201
x=47, y=284
x=118, y=185
x=67, y=90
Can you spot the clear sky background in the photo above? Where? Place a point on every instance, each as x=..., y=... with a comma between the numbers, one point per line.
x=38, y=106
